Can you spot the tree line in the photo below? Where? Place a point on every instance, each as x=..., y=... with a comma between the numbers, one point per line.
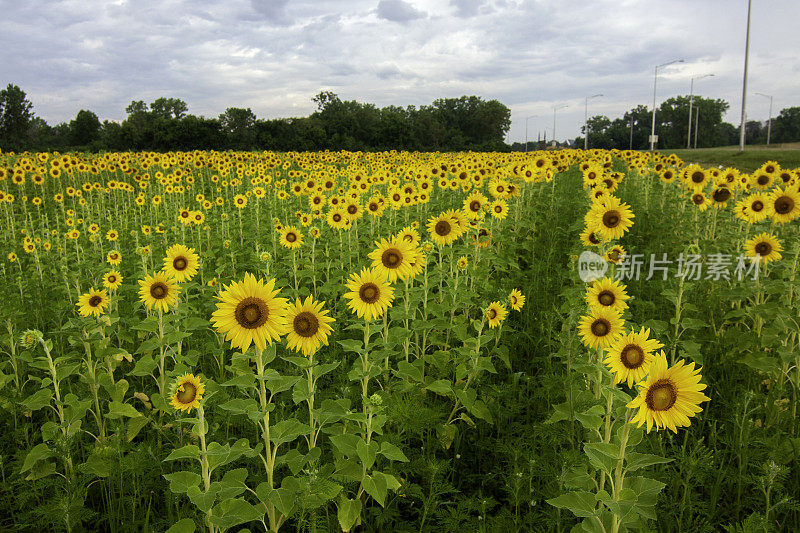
x=465, y=123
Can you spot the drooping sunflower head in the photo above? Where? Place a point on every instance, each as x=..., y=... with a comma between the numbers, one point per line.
x=250, y=312
x=516, y=299
x=112, y=280
x=93, y=302
x=495, y=314
x=181, y=263
x=187, y=392
x=370, y=294
x=600, y=327
x=669, y=396
x=392, y=258
x=607, y=293
x=307, y=326
x=159, y=291
x=630, y=356
x=589, y=237
x=765, y=247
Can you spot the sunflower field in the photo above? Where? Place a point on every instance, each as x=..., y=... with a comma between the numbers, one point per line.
x=596, y=341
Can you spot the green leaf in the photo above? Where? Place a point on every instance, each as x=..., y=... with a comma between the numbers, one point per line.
x=144, y=366
x=278, y=383
x=580, y=502
x=441, y=387
x=602, y=455
x=202, y=500
x=185, y=525
x=367, y=452
x=635, y=461
x=37, y=453
x=240, y=406
x=375, y=486
x=392, y=452
x=348, y=512
x=180, y=482
x=408, y=371
x=287, y=431
x=352, y=345
x=346, y=444
x=190, y=451
x=119, y=410
x=219, y=455
x=38, y=399
x=234, y=511
x=282, y=498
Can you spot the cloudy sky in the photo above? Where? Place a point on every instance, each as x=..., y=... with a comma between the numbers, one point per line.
x=275, y=55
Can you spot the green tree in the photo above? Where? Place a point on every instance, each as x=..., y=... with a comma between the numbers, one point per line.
x=16, y=113
x=84, y=129
x=786, y=126
x=238, y=123
x=169, y=108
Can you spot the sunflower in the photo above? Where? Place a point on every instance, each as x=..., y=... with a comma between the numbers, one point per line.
x=516, y=299
x=695, y=177
x=700, y=200
x=764, y=246
x=589, y=237
x=181, y=263
x=785, y=205
x=159, y=290
x=307, y=326
x=408, y=234
x=601, y=327
x=249, y=311
x=758, y=207
x=337, y=218
x=114, y=258
x=443, y=231
x=187, y=391
x=462, y=262
x=112, y=235
x=607, y=293
x=240, y=201
x=630, y=356
x=499, y=209
x=473, y=204
x=112, y=280
x=92, y=303
x=720, y=196
x=609, y=217
x=669, y=396
x=370, y=294
x=392, y=258
x=291, y=238
x=495, y=314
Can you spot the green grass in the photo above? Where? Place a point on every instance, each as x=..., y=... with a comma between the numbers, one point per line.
x=749, y=160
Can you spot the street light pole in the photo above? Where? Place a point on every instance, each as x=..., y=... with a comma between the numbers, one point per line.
x=526, y=130
x=554, y=120
x=696, y=125
x=691, y=101
x=744, y=79
x=586, y=121
x=769, y=122
x=655, y=81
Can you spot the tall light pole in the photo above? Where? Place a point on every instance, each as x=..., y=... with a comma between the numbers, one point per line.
x=556, y=108
x=744, y=79
x=769, y=123
x=586, y=121
x=526, y=130
x=696, y=126
x=691, y=100
x=655, y=81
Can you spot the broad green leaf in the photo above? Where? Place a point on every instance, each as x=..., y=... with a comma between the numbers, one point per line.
x=119, y=410
x=190, y=451
x=602, y=455
x=375, y=486
x=441, y=387
x=580, y=502
x=185, y=525
x=180, y=482
x=392, y=452
x=635, y=461
x=348, y=511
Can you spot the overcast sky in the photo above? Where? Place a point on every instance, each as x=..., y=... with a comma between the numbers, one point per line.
x=275, y=55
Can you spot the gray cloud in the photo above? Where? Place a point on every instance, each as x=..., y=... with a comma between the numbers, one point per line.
x=275, y=56
x=398, y=11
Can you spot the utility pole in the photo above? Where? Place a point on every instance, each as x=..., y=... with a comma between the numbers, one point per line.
x=586, y=121
x=526, y=130
x=691, y=100
x=655, y=82
x=556, y=108
x=769, y=122
x=744, y=80
x=696, y=124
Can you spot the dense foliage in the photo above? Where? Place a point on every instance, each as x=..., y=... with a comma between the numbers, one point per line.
x=337, y=341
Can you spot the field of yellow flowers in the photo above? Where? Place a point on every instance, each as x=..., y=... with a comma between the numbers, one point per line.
x=600, y=341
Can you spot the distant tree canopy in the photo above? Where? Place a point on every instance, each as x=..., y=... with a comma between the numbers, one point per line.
x=465, y=123
x=447, y=124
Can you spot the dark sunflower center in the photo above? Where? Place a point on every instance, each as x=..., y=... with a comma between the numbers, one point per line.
x=188, y=394
x=95, y=300
x=698, y=177
x=498, y=209
x=158, y=290
x=391, y=258
x=592, y=175
x=606, y=298
x=251, y=312
x=442, y=228
x=291, y=237
x=373, y=206
x=770, y=169
x=593, y=238
x=763, y=248
x=492, y=314
x=112, y=279
x=305, y=324
x=608, y=183
x=786, y=177
x=698, y=199
x=763, y=179
x=352, y=209
x=611, y=218
x=475, y=206
x=661, y=395
x=784, y=205
x=722, y=195
x=539, y=163
x=369, y=293
x=180, y=263
x=757, y=206
x=337, y=217
x=632, y=356
x=600, y=327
